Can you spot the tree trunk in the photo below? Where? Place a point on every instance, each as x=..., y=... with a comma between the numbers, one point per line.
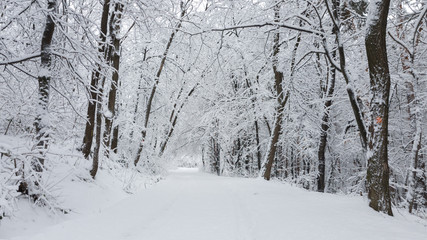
x=217, y=156
x=378, y=169
x=115, y=139
x=98, y=130
x=258, y=147
x=99, y=93
x=329, y=91
x=115, y=22
x=413, y=168
x=138, y=97
x=41, y=122
x=174, y=119
x=415, y=114
x=256, y=126
x=281, y=100
x=153, y=90
x=96, y=75
x=324, y=132
x=357, y=111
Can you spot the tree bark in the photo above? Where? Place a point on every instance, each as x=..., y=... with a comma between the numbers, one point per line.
x=329, y=91
x=256, y=126
x=156, y=82
x=115, y=48
x=415, y=114
x=258, y=147
x=99, y=94
x=378, y=169
x=138, y=97
x=324, y=131
x=98, y=130
x=96, y=75
x=115, y=139
x=216, y=155
x=357, y=111
x=174, y=119
x=42, y=118
x=281, y=99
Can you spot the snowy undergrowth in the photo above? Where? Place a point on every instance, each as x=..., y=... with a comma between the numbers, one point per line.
x=68, y=190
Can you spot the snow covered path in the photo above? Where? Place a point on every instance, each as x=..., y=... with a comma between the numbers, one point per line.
x=189, y=205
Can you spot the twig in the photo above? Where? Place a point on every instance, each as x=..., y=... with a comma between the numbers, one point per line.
x=23, y=59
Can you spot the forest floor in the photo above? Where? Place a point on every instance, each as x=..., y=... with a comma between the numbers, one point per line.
x=192, y=205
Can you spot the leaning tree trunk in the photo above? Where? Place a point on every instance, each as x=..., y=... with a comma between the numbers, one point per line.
x=115, y=21
x=357, y=111
x=41, y=121
x=173, y=119
x=378, y=169
x=281, y=100
x=154, y=88
x=96, y=76
x=138, y=97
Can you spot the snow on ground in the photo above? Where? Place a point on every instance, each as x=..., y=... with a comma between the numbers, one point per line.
x=76, y=194
x=193, y=205
x=71, y=187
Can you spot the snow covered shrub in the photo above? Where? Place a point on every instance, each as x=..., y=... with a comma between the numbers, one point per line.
x=9, y=183
x=19, y=179
x=8, y=193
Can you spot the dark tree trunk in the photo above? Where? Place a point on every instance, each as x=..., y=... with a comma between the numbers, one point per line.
x=90, y=116
x=329, y=91
x=324, y=132
x=415, y=115
x=267, y=124
x=357, y=111
x=154, y=88
x=217, y=157
x=281, y=100
x=98, y=129
x=173, y=119
x=96, y=75
x=40, y=123
x=256, y=126
x=99, y=93
x=138, y=97
x=378, y=169
x=115, y=22
x=115, y=139
x=258, y=147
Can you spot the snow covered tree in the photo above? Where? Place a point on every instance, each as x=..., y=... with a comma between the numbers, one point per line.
x=41, y=122
x=376, y=50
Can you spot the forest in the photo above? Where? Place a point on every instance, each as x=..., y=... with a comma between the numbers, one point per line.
x=325, y=95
